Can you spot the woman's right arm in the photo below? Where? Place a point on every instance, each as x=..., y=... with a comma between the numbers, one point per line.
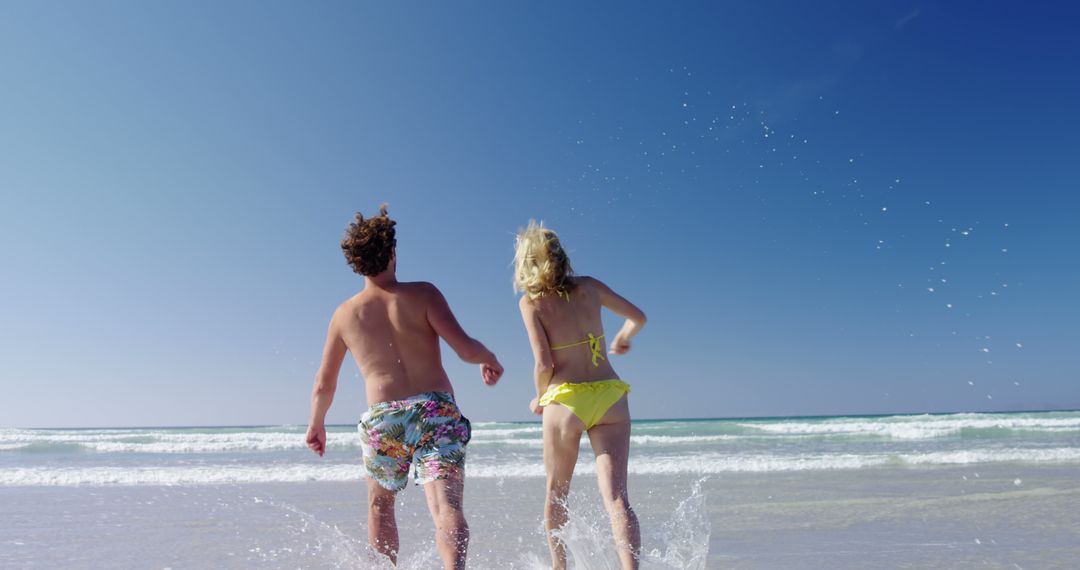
x=545, y=365
x=635, y=317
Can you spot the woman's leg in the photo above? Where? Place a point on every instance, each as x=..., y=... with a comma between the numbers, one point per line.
x=610, y=439
x=562, y=436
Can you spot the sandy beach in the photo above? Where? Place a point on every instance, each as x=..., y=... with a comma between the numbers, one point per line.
x=1001, y=516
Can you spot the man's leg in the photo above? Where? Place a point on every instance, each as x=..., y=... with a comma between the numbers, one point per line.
x=444, y=499
x=382, y=526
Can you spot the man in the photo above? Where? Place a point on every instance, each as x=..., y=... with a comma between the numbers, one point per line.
x=393, y=330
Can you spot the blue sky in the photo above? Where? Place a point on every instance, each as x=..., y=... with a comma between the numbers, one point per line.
x=777, y=184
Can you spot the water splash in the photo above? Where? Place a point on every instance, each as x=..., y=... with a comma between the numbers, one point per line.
x=684, y=539
x=680, y=543
x=316, y=543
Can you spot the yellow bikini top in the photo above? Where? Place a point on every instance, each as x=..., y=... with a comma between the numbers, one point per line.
x=596, y=347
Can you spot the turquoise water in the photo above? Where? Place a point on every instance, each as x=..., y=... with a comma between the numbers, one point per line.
x=950, y=490
x=193, y=456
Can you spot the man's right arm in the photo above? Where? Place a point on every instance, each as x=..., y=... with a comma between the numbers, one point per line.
x=322, y=394
x=443, y=322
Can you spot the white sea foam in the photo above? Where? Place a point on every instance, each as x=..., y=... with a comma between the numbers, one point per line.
x=702, y=464
x=533, y=442
x=507, y=432
x=179, y=443
x=681, y=439
x=915, y=427
x=188, y=475
x=656, y=440
x=145, y=441
x=714, y=463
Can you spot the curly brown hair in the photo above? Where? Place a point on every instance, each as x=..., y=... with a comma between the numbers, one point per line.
x=369, y=244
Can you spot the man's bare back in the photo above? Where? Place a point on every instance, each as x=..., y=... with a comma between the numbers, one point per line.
x=391, y=336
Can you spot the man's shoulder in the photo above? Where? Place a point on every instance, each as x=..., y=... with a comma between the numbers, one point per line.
x=348, y=306
x=419, y=288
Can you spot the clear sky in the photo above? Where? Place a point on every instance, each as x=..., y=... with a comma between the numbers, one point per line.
x=779, y=185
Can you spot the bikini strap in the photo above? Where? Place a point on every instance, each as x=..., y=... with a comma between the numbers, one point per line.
x=596, y=347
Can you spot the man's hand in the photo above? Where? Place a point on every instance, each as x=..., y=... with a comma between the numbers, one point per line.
x=491, y=371
x=316, y=438
x=535, y=406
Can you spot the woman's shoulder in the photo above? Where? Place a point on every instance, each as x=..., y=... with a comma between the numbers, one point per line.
x=589, y=283
x=587, y=280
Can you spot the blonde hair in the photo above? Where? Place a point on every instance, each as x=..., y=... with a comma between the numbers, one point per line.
x=541, y=266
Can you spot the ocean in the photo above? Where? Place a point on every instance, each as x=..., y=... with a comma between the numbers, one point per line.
x=949, y=490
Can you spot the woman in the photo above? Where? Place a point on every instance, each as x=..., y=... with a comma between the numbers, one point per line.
x=576, y=387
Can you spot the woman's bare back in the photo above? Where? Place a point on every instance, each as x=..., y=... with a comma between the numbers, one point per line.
x=569, y=321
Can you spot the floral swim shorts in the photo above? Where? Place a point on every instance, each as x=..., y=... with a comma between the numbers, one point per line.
x=426, y=431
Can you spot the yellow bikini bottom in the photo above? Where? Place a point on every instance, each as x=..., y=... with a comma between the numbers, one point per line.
x=589, y=401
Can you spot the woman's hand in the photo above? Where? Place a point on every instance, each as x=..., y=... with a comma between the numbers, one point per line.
x=535, y=406
x=620, y=344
